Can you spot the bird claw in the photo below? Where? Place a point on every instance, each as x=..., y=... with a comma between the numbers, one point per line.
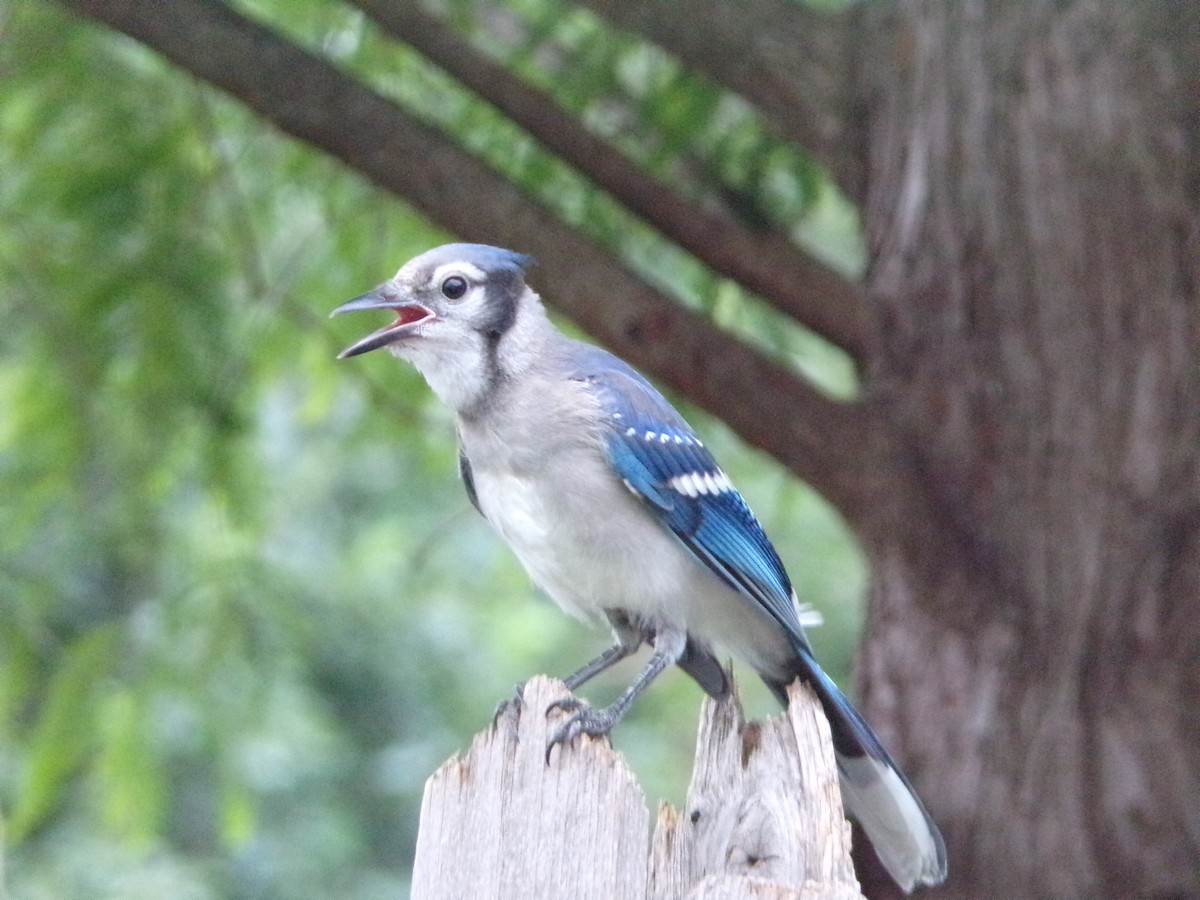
x=518, y=699
x=567, y=704
x=585, y=720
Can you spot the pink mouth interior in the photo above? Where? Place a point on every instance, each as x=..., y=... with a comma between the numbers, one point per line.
x=408, y=315
x=411, y=314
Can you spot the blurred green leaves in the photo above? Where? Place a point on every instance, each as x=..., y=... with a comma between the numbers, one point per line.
x=245, y=608
x=64, y=730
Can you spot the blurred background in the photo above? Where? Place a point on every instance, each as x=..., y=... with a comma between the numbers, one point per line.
x=245, y=606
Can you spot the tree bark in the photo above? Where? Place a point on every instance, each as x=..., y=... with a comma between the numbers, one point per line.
x=762, y=260
x=794, y=63
x=1032, y=650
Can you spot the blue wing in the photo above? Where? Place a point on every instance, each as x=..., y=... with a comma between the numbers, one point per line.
x=652, y=449
x=660, y=459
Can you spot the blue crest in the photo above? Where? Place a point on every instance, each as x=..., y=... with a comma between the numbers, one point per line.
x=483, y=256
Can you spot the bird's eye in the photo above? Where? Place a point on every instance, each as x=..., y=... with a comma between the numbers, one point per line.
x=454, y=287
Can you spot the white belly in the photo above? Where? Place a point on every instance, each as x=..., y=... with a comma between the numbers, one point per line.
x=588, y=561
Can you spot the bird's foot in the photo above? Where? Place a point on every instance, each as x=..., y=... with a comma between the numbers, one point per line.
x=585, y=720
x=517, y=700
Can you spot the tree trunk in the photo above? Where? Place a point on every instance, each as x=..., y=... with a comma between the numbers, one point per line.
x=1034, y=225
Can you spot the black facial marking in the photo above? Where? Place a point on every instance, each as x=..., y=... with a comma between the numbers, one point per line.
x=503, y=291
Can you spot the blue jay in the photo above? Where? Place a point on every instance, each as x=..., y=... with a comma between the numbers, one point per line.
x=617, y=510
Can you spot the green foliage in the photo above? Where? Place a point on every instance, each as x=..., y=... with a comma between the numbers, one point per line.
x=247, y=609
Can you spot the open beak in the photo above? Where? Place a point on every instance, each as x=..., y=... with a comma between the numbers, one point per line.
x=408, y=316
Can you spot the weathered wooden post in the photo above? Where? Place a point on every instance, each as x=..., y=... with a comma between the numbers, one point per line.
x=763, y=817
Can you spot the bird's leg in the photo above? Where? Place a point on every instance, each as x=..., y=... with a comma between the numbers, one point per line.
x=601, y=663
x=629, y=638
x=668, y=647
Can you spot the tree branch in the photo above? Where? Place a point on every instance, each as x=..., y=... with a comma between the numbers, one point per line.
x=823, y=442
x=793, y=63
x=765, y=262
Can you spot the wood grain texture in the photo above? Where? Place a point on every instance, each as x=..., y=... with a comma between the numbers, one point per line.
x=501, y=822
x=763, y=817
x=763, y=808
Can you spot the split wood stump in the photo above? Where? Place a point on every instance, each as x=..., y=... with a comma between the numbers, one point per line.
x=763, y=817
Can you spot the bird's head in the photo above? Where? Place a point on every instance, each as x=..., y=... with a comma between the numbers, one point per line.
x=455, y=308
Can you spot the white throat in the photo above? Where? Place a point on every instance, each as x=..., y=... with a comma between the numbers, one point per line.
x=463, y=368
